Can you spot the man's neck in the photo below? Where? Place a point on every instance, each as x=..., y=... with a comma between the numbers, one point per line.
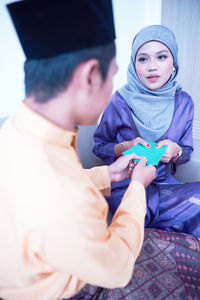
x=57, y=110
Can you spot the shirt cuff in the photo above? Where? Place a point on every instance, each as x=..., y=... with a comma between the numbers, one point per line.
x=134, y=201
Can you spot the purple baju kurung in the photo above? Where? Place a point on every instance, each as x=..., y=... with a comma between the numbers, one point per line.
x=171, y=205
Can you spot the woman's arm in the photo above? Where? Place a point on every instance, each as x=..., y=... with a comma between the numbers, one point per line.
x=125, y=145
x=186, y=140
x=179, y=151
x=115, y=134
x=105, y=136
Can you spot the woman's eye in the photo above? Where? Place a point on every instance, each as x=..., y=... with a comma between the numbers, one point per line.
x=142, y=59
x=162, y=57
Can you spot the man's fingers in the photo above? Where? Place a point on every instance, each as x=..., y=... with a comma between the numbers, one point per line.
x=143, y=161
x=132, y=156
x=132, y=164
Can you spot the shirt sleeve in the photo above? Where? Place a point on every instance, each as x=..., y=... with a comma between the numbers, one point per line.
x=101, y=179
x=81, y=243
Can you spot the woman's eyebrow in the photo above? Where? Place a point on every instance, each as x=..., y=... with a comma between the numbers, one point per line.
x=141, y=54
x=159, y=52
x=162, y=51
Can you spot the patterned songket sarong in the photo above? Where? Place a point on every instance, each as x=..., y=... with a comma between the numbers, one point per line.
x=168, y=267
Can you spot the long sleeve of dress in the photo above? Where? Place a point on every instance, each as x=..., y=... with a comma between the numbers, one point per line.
x=107, y=133
x=186, y=138
x=186, y=144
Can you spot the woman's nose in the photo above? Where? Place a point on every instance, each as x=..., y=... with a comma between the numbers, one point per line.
x=152, y=65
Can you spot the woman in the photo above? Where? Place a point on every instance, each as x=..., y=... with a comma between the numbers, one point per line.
x=153, y=107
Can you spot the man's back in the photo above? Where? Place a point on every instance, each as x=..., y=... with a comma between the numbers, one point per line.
x=36, y=167
x=53, y=216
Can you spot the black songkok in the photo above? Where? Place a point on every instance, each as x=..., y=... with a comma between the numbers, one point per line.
x=49, y=28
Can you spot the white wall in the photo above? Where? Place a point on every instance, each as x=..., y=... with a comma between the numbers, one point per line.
x=11, y=65
x=130, y=16
x=183, y=17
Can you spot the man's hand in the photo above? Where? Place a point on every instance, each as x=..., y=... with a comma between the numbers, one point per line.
x=171, y=152
x=122, y=168
x=143, y=173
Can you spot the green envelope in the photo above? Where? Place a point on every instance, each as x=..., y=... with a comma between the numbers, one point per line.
x=152, y=154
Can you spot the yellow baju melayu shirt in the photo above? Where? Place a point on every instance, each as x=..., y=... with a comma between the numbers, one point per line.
x=54, y=236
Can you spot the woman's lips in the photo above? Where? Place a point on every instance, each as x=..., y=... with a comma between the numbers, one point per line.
x=153, y=78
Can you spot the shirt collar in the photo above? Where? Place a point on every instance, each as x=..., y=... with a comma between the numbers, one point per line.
x=29, y=121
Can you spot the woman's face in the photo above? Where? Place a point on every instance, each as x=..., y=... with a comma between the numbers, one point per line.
x=154, y=64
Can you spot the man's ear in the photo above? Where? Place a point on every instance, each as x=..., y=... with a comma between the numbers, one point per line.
x=87, y=75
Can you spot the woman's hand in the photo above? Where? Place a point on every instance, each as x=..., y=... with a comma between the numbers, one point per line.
x=121, y=147
x=172, y=151
x=138, y=140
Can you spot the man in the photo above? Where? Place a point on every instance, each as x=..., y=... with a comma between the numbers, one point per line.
x=54, y=233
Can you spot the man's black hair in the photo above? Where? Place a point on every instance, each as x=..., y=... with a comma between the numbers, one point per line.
x=46, y=78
